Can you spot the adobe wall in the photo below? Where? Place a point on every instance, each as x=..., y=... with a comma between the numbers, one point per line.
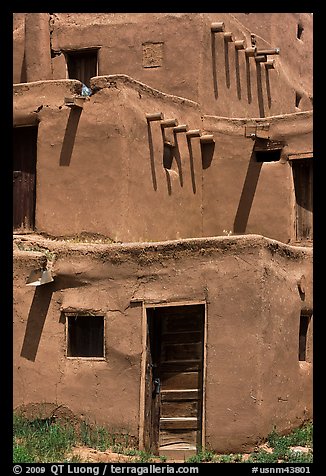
x=188, y=60
x=250, y=284
x=102, y=169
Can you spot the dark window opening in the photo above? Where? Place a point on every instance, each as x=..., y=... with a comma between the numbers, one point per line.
x=303, y=188
x=299, y=31
x=303, y=331
x=268, y=155
x=85, y=336
x=82, y=65
x=298, y=98
x=24, y=176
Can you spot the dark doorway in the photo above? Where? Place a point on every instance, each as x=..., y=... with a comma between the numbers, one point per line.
x=303, y=188
x=24, y=177
x=174, y=380
x=82, y=65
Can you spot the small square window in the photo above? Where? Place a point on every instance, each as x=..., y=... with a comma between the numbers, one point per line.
x=82, y=65
x=85, y=336
x=303, y=332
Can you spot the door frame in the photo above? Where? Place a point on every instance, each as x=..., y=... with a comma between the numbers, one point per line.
x=154, y=304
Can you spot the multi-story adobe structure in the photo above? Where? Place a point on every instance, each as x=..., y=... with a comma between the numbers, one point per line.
x=180, y=145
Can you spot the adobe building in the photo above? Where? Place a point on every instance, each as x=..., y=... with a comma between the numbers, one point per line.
x=163, y=204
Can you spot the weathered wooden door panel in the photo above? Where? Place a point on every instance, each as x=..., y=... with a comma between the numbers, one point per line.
x=24, y=177
x=179, y=343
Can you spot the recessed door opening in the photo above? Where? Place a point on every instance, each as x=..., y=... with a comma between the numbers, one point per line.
x=24, y=177
x=174, y=380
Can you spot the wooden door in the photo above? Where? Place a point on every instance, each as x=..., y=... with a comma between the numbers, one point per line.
x=24, y=177
x=178, y=338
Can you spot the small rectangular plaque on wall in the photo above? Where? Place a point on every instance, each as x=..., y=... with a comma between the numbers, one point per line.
x=153, y=54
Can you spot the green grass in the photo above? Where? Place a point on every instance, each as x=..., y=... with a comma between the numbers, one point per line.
x=46, y=441
x=40, y=441
x=279, y=444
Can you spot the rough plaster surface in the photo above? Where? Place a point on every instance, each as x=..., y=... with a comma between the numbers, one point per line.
x=134, y=197
x=101, y=170
x=253, y=377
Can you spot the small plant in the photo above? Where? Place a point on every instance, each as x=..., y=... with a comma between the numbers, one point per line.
x=203, y=456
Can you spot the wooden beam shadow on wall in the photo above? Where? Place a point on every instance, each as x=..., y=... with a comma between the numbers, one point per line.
x=249, y=96
x=247, y=195
x=227, y=62
x=177, y=157
x=213, y=48
x=260, y=96
x=36, y=320
x=192, y=168
x=207, y=153
x=70, y=136
x=151, y=155
x=237, y=73
x=268, y=88
x=38, y=312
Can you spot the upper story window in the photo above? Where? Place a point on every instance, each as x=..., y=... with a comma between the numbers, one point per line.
x=82, y=64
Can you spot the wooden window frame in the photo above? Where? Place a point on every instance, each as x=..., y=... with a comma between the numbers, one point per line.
x=84, y=314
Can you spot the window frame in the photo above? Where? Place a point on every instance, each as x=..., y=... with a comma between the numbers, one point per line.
x=82, y=314
x=80, y=51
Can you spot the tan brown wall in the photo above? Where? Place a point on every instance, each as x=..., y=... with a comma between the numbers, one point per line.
x=243, y=196
x=253, y=377
x=187, y=62
x=19, y=69
x=100, y=169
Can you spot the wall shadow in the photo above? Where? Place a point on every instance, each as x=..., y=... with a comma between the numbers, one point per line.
x=213, y=48
x=70, y=136
x=177, y=157
x=151, y=155
x=227, y=63
x=38, y=312
x=36, y=320
x=168, y=181
x=192, y=168
x=207, y=153
x=249, y=96
x=268, y=88
x=23, y=71
x=260, y=91
x=247, y=195
x=237, y=72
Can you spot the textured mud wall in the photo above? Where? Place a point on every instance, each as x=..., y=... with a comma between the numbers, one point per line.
x=104, y=169
x=177, y=54
x=253, y=377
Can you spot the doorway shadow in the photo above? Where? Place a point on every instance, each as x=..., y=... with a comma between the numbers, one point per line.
x=247, y=195
x=70, y=136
